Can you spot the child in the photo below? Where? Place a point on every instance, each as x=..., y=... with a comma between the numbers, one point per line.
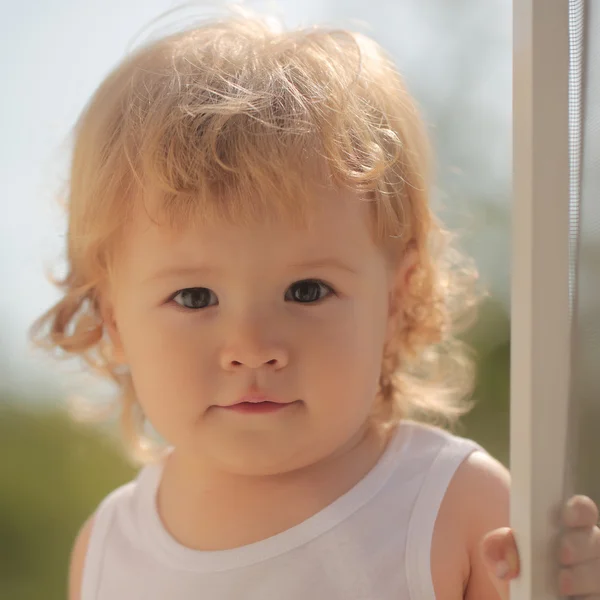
x=217, y=173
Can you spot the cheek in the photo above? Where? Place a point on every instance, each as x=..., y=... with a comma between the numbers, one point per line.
x=346, y=349
x=169, y=362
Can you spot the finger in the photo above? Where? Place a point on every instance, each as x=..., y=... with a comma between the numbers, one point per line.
x=579, y=545
x=580, y=580
x=580, y=511
x=499, y=551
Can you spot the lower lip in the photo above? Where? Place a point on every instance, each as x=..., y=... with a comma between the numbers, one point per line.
x=257, y=407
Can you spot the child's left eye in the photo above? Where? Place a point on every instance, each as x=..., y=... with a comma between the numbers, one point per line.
x=308, y=291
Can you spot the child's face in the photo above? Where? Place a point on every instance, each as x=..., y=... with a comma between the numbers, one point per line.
x=250, y=333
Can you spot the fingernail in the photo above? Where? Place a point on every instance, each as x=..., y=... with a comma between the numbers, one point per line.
x=502, y=569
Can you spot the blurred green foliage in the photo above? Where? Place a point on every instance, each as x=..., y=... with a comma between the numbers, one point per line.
x=54, y=472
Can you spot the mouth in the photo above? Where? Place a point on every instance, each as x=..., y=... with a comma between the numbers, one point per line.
x=255, y=404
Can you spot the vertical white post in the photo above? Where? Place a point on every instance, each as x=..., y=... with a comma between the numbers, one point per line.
x=540, y=326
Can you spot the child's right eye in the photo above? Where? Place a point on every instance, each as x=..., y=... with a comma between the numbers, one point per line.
x=195, y=298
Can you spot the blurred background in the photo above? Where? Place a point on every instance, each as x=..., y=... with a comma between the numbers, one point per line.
x=456, y=58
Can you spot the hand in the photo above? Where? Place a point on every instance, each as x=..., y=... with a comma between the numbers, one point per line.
x=579, y=555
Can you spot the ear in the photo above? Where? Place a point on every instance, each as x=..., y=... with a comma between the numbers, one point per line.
x=107, y=314
x=399, y=281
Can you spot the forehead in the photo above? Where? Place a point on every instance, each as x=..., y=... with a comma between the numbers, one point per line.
x=332, y=222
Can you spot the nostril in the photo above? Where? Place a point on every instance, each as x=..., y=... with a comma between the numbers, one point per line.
x=237, y=363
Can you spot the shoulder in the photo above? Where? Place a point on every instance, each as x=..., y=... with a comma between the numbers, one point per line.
x=77, y=561
x=90, y=542
x=476, y=502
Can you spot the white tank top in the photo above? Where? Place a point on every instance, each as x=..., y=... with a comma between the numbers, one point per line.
x=374, y=542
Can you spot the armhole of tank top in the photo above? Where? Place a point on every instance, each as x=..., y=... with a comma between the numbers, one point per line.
x=92, y=566
x=422, y=521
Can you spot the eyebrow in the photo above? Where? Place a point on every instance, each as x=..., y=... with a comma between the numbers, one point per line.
x=175, y=271
x=325, y=263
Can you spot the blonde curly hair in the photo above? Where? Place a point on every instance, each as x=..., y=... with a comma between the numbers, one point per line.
x=203, y=119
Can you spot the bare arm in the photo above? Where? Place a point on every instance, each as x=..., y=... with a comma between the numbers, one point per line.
x=490, y=505
x=78, y=558
x=477, y=502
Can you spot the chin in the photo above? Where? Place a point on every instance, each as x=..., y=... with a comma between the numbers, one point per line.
x=259, y=458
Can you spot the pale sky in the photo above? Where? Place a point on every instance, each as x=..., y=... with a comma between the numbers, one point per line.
x=53, y=55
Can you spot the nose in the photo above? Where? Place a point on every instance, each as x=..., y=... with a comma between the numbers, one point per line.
x=251, y=347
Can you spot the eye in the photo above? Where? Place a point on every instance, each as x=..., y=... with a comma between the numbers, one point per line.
x=195, y=298
x=308, y=291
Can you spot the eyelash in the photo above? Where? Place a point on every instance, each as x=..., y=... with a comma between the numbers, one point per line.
x=328, y=289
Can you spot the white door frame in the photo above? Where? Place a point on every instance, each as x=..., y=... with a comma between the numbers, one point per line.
x=540, y=322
